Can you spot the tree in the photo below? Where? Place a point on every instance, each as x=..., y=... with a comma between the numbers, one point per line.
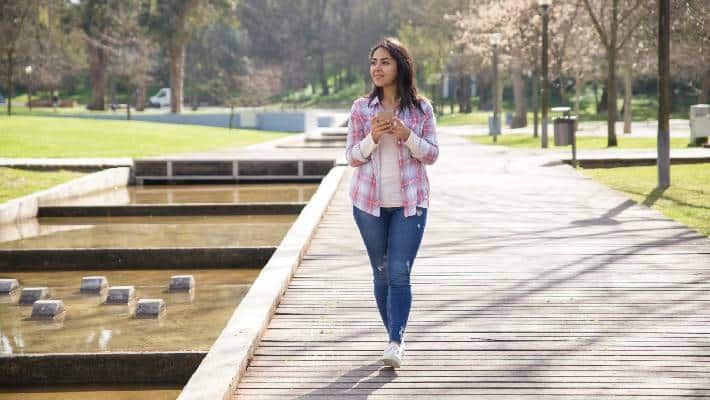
x=15, y=19
x=690, y=35
x=614, y=21
x=97, y=22
x=430, y=38
x=172, y=22
x=212, y=69
x=57, y=47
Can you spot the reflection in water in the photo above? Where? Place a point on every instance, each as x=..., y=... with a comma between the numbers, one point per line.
x=6, y=346
x=104, y=338
x=193, y=320
x=191, y=194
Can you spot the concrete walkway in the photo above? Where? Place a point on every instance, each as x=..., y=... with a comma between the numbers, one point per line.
x=680, y=128
x=532, y=282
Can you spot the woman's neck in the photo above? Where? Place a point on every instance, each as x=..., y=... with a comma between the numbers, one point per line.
x=389, y=96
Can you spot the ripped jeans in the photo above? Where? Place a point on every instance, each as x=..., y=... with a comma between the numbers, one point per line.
x=392, y=242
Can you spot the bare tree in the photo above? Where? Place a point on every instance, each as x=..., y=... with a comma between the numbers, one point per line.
x=614, y=21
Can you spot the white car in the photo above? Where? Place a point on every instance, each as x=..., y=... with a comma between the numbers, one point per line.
x=162, y=98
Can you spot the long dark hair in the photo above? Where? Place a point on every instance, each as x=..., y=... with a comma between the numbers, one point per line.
x=406, y=85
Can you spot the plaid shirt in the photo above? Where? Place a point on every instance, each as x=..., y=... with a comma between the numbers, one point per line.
x=421, y=148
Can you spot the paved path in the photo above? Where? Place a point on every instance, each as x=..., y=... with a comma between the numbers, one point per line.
x=680, y=128
x=532, y=282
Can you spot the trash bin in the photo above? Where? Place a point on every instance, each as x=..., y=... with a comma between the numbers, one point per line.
x=493, y=126
x=564, y=128
x=699, y=122
x=509, y=119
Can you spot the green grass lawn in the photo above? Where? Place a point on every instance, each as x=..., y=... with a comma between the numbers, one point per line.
x=583, y=142
x=25, y=136
x=17, y=183
x=686, y=201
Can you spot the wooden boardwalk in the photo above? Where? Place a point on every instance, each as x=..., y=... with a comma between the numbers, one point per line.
x=532, y=282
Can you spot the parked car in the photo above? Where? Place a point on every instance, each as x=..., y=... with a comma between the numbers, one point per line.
x=160, y=99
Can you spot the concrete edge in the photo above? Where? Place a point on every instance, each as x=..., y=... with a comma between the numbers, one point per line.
x=613, y=162
x=58, y=259
x=225, y=364
x=99, y=368
x=284, y=208
x=27, y=206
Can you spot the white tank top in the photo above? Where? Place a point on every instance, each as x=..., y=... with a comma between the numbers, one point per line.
x=390, y=175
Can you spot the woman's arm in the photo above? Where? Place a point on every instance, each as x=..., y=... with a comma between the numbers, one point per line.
x=360, y=144
x=422, y=142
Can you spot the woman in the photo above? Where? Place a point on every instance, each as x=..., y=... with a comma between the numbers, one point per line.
x=391, y=136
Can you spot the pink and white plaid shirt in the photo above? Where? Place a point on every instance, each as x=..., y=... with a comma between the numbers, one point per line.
x=421, y=148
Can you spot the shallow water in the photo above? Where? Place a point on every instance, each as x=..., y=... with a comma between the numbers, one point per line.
x=146, y=232
x=191, y=322
x=90, y=393
x=190, y=194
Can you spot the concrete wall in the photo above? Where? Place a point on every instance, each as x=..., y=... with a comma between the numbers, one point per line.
x=280, y=121
x=27, y=206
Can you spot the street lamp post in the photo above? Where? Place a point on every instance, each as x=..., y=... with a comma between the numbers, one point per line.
x=28, y=71
x=664, y=94
x=495, y=129
x=545, y=88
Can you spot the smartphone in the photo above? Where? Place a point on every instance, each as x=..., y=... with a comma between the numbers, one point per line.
x=384, y=116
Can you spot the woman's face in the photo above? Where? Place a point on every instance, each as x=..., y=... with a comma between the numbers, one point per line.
x=383, y=68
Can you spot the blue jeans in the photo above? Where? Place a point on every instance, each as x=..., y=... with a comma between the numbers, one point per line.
x=392, y=242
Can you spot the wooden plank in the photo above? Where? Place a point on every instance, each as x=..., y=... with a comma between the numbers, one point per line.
x=530, y=283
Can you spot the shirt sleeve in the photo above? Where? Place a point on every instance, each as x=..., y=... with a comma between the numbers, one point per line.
x=360, y=145
x=422, y=142
x=367, y=145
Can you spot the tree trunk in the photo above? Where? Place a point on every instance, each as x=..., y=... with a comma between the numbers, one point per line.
x=325, y=91
x=112, y=90
x=97, y=75
x=535, y=101
x=563, y=92
x=128, y=106
x=627, y=95
x=705, y=88
x=176, y=52
x=461, y=95
x=603, y=104
x=595, y=87
x=578, y=87
x=521, y=117
x=611, y=89
x=140, y=98
x=10, y=83
x=499, y=94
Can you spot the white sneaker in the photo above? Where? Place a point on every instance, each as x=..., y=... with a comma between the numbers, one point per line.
x=393, y=354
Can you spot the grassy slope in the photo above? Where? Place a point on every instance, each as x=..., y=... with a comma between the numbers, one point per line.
x=23, y=136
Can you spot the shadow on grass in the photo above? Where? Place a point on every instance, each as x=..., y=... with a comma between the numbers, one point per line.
x=652, y=197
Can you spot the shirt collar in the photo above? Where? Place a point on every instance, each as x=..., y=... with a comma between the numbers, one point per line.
x=376, y=102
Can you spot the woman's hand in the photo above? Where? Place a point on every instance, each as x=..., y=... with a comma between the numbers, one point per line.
x=380, y=128
x=399, y=130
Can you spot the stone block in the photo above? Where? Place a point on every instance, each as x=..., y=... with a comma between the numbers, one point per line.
x=181, y=283
x=48, y=309
x=120, y=295
x=150, y=308
x=93, y=284
x=31, y=294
